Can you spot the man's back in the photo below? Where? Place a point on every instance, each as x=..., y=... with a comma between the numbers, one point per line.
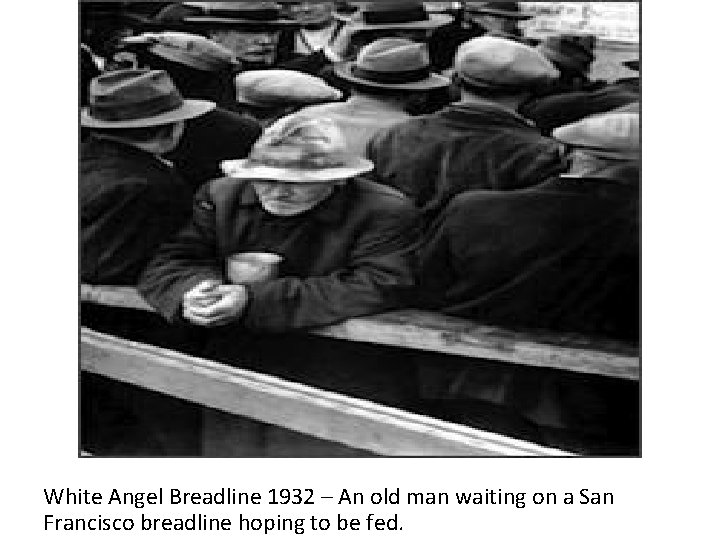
x=462, y=147
x=130, y=202
x=563, y=255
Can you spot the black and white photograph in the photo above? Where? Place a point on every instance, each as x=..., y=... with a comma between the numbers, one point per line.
x=359, y=229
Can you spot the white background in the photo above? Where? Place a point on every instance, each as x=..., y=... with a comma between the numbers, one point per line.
x=667, y=493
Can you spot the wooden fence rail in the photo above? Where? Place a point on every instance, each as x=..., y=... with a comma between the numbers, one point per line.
x=319, y=413
x=451, y=335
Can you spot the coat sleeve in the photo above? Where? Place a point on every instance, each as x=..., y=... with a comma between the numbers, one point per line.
x=379, y=272
x=180, y=264
x=134, y=219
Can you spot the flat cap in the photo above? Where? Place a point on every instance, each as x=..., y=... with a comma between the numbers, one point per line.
x=613, y=135
x=497, y=63
x=191, y=50
x=274, y=87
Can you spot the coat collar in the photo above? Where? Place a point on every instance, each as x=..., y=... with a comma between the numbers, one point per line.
x=487, y=113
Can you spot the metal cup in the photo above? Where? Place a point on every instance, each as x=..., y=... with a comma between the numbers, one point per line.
x=255, y=267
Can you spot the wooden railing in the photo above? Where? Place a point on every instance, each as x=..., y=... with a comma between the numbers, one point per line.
x=318, y=413
x=451, y=335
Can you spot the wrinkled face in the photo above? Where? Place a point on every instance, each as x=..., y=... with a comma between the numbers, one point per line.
x=312, y=13
x=258, y=47
x=289, y=198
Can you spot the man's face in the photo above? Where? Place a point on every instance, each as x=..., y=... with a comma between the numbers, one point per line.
x=312, y=13
x=257, y=47
x=290, y=198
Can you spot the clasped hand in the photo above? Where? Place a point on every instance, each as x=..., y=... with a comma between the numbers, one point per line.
x=210, y=303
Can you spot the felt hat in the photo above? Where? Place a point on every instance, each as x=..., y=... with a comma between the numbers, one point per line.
x=191, y=50
x=406, y=15
x=632, y=64
x=299, y=150
x=507, y=10
x=392, y=63
x=134, y=98
x=281, y=87
x=573, y=52
x=252, y=14
x=497, y=63
x=613, y=135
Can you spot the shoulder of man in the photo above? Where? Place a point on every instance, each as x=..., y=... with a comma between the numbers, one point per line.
x=220, y=192
x=365, y=185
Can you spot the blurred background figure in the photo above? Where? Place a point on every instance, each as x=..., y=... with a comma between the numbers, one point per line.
x=479, y=142
x=574, y=95
x=563, y=255
x=256, y=32
x=383, y=80
x=471, y=20
x=372, y=21
x=317, y=26
x=267, y=95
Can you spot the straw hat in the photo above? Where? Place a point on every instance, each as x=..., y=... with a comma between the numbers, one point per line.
x=299, y=150
x=392, y=63
x=134, y=98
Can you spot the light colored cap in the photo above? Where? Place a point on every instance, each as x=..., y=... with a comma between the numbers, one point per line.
x=274, y=87
x=497, y=63
x=301, y=150
x=393, y=63
x=191, y=50
x=615, y=135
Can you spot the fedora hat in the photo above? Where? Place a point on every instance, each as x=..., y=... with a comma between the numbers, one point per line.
x=613, y=135
x=135, y=98
x=254, y=14
x=496, y=63
x=507, y=10
x=300, y=150
x=392, y=63
x=570, y=51
x=394, y=14
x=282, y=87
x=632, y=64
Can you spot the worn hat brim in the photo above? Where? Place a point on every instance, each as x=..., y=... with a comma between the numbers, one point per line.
x=434, y=21
x=226, y=21
x=343, y=70
x=191, y=108
x=244, y=169
x=500, y=13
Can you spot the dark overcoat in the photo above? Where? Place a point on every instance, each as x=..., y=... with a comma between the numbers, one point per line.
x=462, y=147
x=349, y=256
x=563, y=255
x=130, y=202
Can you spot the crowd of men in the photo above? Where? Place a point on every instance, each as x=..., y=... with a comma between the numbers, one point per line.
x=390, y=156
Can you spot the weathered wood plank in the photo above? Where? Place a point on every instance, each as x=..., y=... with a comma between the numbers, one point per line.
x=435, y=332
x=322, y=414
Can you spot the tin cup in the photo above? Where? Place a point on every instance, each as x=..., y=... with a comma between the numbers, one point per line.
x=255, y=267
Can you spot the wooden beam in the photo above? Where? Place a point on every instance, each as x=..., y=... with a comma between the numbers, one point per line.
x=439, y=333
x=326, y=415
